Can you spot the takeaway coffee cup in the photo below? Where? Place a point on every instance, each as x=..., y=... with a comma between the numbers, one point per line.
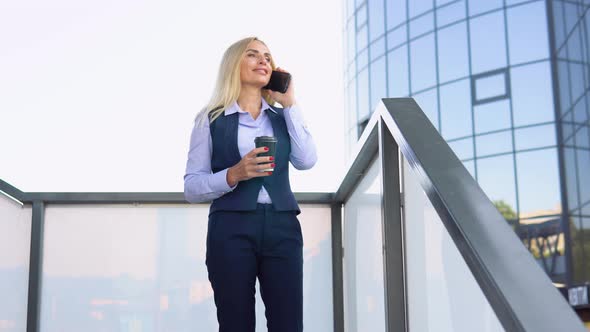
x=271, y=143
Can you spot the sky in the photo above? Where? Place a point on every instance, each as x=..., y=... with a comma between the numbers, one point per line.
x=101, y=95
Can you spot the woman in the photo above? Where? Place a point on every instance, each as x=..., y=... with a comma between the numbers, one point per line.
x=253, y=230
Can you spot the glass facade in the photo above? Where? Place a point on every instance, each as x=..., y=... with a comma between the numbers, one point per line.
x=487, y=75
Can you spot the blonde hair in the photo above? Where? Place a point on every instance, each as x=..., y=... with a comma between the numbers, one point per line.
x=228, y=85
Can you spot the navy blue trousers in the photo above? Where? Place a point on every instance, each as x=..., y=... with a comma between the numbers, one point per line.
x=244, y=245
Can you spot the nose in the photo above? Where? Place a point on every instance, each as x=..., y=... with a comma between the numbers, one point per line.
x=262, y=59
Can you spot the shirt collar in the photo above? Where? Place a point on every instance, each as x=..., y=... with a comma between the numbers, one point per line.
x=236, y=108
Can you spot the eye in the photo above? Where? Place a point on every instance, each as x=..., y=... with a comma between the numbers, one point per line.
x=268, y=59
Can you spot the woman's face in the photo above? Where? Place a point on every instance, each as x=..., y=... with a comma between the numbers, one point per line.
x=255, y=68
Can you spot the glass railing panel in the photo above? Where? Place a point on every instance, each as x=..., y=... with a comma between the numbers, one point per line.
x=141, y=268
x=15, y=240
x=364, y=301
x=442, y=293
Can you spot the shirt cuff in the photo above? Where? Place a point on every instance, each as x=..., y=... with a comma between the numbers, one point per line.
x=219, y=182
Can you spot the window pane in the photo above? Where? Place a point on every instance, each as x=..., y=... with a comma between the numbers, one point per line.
x=576, y=80
x=421, y=25
x=418, y=7
x=397, y=37
x=470, y=165
x=452, y=53
x=396, y=12
x=581, y=111
x=492, y=116
x=578, y=258
x=377, y=48
x=584, y=175
x=463, y=148
x=362, y=59
x=378, y=82
x=496, y=177
x=564, y=88
x=490, y=86
x=489, y=144
x=422, y=63
x=455, y=106
x=571, y=178
x=351, y=42
x=488, y=44
x=559, y=29
x=532, y=100
x=527, y=33
x=574, y=45
x=352, y=114
x=450, y=13
x=582, y=139
x=363, y=94
x=376, y=18
x=535, y=137
x=361, y=16
x=428, y=103
x=398, y=76
x=361, y=38
x=538, y=197
x=479, y=6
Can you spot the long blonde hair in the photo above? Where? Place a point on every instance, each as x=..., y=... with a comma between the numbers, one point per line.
x=228, y=85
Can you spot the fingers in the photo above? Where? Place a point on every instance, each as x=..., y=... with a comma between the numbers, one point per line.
x=256, y=151
x=260, y=160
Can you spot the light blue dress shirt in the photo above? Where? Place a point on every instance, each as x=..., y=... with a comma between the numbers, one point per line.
x=201, y=185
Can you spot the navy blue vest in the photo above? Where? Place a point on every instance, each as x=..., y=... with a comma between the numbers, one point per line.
x=224, y=135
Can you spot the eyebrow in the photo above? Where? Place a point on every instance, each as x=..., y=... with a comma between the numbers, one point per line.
x=256, y=51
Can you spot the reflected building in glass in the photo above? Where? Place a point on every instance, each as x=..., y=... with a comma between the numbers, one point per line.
x=506, y=84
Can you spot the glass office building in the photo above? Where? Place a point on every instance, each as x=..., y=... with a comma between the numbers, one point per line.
x=505, y=82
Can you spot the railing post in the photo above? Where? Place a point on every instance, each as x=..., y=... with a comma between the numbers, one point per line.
x=393, y=233
x=35, y=267
x=337, y=270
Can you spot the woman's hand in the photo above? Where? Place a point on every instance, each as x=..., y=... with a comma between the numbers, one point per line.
x=249, y=167
x=286, y=99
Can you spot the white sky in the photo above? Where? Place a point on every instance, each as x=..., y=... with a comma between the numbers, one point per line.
x=100, y=95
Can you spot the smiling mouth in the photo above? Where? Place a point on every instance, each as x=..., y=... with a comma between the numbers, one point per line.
x=263, y=71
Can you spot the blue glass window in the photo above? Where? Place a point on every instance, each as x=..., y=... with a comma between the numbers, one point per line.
x=361, y=38
x=418, y=7
x=584, y=175
x=496, y=143
x=362, y=81
x=421, y=25
x=451, y=13
x=583, y=138
x=362, y=59
x=351, y=41
x=576, y=80
x=423, y=66
x=361, y=17
x=496, y=177
x=378, y=82
x=376, y=19
x=571, y=178
x=559, y=24
x=527, y=33
x=453, y=59
x=427, y=101
x=455, y=107
x=532, y=97
x=488, y=42
x=564, y=90
x=534, y=195
x=397, y=37
x=377, y=48
x=352, y=112
x=492, y=116
x=398, y=76
x=463, y=148
x=479, y=6
x=443, y=2
x=535, y=137
x=574, y=45
x=491, y=85
x=581, y=111
x=396, y=12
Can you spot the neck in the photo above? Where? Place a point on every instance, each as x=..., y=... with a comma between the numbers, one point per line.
x=250, y=100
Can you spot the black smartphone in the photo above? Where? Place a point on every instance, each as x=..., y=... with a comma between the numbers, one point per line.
x=279, y=81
